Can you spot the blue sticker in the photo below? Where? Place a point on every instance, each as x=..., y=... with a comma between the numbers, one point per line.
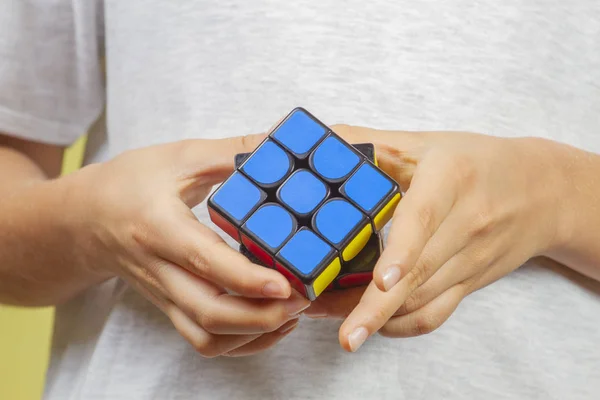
x=303, y=191
x=367, y=187
x=271, y=223
x=333, y=159
x=268, y=165
x=299, y=133
x=336, y=219
x=237, y=196
x=305, y=251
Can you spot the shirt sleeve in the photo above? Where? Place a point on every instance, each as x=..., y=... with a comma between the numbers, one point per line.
x=51, y=81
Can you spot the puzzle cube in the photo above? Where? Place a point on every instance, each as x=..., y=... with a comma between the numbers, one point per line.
x=306, y=203
x=359, y=271
x=380, y=201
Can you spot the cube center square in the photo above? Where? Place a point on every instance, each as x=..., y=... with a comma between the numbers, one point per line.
x=299, y=133
x=302, y=192
x=267, y=229
x=334, y=159
x=268, y=165
x=312, y=262
x=343, y=225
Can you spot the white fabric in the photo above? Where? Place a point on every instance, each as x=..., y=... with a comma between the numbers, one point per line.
x=200, y=68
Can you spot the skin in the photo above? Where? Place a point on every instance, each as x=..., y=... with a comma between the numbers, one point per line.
x=476, y=208
x=131, y=218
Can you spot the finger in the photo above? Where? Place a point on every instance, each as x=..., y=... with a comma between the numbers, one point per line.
x=204, y=162
x=206, y=168
x=426, y=204
x=205, y=343
x=398, y=152
x=426, y=319
x=151, y=294
x=377, y=307
x=222, y=313
x=186, y=242
x=372, y=312
x=336, y=304
x=475, y=257
x=265, y=341
x=501, y=267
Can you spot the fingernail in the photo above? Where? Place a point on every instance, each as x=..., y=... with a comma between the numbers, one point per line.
x=296, y=305
x=273, y=289
x=391, y=277
x=357, y=338
x=288, y=326
x=315, y=311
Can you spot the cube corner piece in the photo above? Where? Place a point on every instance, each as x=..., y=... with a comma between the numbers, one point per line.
x=373, y=192
x=233, y=201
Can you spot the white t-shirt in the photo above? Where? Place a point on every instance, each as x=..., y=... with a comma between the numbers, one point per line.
x=200, y=68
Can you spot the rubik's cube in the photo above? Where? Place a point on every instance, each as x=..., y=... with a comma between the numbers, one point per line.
x=308, y=204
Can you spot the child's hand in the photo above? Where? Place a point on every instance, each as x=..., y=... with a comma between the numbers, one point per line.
x=476, y=208
x=130, y=217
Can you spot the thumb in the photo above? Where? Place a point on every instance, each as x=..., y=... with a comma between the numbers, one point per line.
x=397, y=152
x=210, y=161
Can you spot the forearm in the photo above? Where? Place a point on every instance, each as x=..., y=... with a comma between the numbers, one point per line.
x=39, y=264
x=578, y=245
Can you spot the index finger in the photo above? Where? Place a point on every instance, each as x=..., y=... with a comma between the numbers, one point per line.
x=195, y=247
x=417, y=217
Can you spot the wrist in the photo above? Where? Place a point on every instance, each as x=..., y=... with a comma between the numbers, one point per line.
x=76, y=221
x=553, y=177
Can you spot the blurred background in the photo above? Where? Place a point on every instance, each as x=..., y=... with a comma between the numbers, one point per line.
x=25, y=333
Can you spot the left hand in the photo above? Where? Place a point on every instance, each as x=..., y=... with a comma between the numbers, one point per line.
x=476, y=207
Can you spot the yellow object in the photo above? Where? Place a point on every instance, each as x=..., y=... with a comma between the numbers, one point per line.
x=375, y=156
x=358, y=243
x=327, y=276
x=25, y=333
x=386, y=212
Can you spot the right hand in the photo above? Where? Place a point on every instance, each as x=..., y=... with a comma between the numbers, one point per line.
x=131, y=217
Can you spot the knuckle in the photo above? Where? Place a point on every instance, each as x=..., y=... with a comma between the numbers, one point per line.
x=426, y=266
x=139, y=232
x=412, y=303
x=426, y=323
x=155, y=269
x=481, y=257
x=425, y=218
x=463, y=169
x=416, y=278
x=199, y=263
x=210, y=320
x=209, y=350
x=204, y=346
x=484, y=221
x=272, y=322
